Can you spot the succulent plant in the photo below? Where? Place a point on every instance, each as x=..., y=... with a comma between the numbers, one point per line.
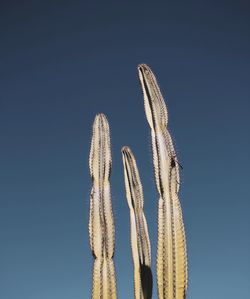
x=172, y=273
x=171, y=249
x=140, y=243
x=101, y=222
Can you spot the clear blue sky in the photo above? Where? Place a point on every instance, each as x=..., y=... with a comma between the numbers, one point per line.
x=61, y=62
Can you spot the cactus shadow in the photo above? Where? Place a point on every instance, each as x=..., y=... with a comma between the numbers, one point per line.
x=146, y=281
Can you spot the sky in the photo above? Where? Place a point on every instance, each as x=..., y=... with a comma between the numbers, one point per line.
x=61, y=63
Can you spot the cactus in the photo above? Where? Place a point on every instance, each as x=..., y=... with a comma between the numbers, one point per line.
x=172, y=273
x=101, y=223
x=140, y=243
x=171, y=249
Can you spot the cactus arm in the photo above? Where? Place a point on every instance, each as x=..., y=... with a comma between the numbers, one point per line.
x=171, y=250
x=101, y=223
x=140, y=242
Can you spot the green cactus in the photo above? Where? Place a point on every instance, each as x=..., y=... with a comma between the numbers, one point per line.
x=172, y=273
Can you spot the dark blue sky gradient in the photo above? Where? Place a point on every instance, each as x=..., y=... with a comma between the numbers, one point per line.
x=61, y=62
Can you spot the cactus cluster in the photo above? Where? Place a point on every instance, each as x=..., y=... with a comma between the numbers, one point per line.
x=171, y=248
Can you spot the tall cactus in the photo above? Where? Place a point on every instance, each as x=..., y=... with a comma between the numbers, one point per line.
x=140, y=243
x=171, y=250
x=101, y=223
x=172, y=276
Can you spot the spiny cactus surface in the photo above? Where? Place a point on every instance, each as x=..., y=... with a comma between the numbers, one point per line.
x=171, y=250
x=101, y=223
x=140, y=243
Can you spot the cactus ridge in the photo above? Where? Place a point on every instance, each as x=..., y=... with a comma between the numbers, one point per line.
x=171, y=250
x=140, y=243
x=101, y=223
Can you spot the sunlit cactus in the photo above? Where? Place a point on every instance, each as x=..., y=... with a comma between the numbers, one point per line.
x=140, y=243
x=101, y=223
x=172, y=273
x=171, y=249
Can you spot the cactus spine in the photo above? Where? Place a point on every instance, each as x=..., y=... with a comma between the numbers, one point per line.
x=171, y=250
x=101, y=223
x=140, y=243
